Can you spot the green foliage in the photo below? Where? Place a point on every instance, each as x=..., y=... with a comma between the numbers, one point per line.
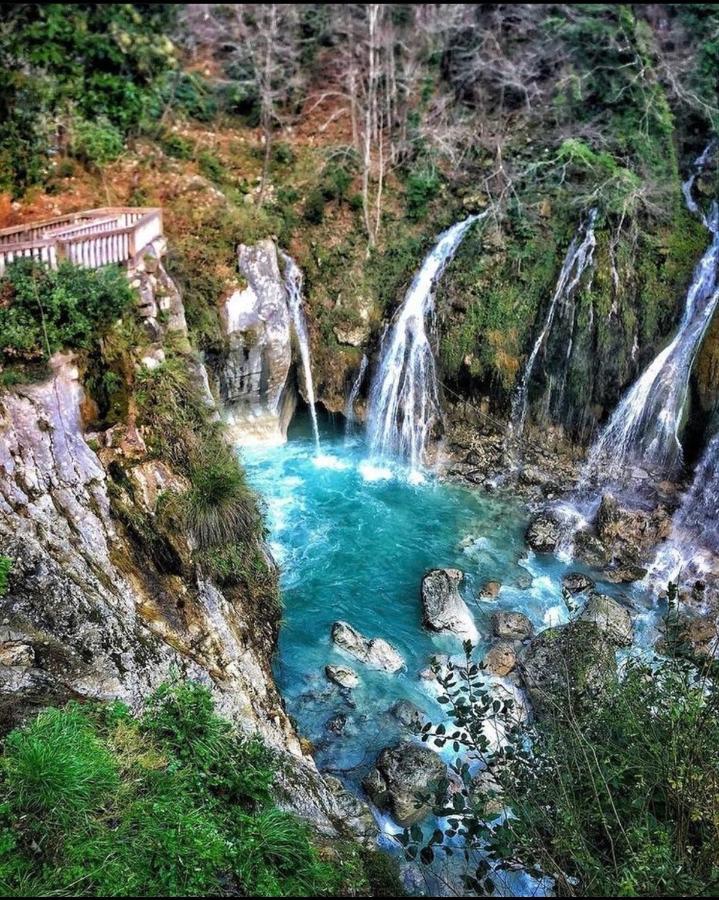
x=97, y=142
x=177, y=802
x=617, y=797
x=42, y=311
x=5, y=567
x=422, y=186
x=86, y=62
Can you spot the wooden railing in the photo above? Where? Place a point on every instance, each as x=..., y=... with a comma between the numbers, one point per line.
x=92, y=238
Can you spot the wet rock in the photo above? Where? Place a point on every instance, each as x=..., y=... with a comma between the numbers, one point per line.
x=401, y=774
x=543, y=533
x=571, y=663
x=373, y=652
x=355, y=814
x=610, y=618
x=697, y=636
x=590, y=550
x=343, y=676
x=624, y=574
x=336, y=724
x=491, y=590
x=408, y=714
x=524, y=581
x=628, y=534
x=443, y=609
x=511, y=625
x=500, y=659
x=577, y=582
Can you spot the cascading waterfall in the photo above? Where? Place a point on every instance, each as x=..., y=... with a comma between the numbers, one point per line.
x=577, y=260
x=293, y=282
x=404, y=398
x=350, y=417
x=644, y=428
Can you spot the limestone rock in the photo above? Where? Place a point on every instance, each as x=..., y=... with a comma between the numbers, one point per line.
x=610, y=617
x=402, y=773
x=343, y=676
x=373, y=652
x=511, y=625
x=443, y=609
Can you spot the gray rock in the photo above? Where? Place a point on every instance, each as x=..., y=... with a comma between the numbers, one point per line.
x=511, y=625
x=373, y=652
x=336, y=724
x=408, y=714
x=577, y=582
x=543, y=533
x=571, y=663
x=355, y=814
x=443, y=609
x=401, y=774
x=343, y=676
x=610, y=617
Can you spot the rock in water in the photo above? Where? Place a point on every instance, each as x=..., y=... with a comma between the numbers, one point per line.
x=402, y=773
x=343, y=676
x=543, y=533
x=500, y=659
x=577, y=582
x=514, y=626
x=443, y=608
x=375, y=652
x=408, y=714
x=491, y=590
x=568, y=664
x=610, y=618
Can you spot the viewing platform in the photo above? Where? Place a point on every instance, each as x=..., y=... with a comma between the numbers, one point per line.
x=92, y=238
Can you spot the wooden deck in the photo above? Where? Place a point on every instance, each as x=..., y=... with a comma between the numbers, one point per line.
x=92, y=238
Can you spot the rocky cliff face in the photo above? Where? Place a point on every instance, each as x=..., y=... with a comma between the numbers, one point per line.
x=253, y=374
x=104, y=601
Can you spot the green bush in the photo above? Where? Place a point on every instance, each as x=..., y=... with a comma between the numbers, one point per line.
x=42, y=311
x=5, y=567
x=421, y=187
x=97, y=142
x=177, y=802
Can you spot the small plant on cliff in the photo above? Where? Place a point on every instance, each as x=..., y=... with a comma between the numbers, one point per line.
x=5, y=566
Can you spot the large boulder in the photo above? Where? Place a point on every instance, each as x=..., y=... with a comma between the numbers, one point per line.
x=610, y=618
x=409, y=715
x=373, y=652
x=443, y=609
x=543, y=533
x=342, y=676
x=577, y=582
x=500, y=659
x=513, y=626
x=629, y=534
x=566, y=665
x=402, y=774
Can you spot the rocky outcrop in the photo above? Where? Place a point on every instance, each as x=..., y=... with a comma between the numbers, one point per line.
x=443, y=609
x=342, y=676
x=577, y=582
x=500, y=659
x=626, y=536
x=252, y=373
x=612, y=619
x=543, y=533
x=402, y=774
x=376, y=653
x=409, y=715
x=568, y=664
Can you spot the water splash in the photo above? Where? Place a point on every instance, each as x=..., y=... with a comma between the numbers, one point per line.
x=404, y=398
x=644, y=428
x=578, y=259
x=350, y=417
x=293, y=282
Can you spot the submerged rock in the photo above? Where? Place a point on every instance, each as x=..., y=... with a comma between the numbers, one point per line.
x=577, y=582
x=512, y=625
x=491, y=590
x=543, y=533
x=610, y=617
x=373, y=652
x=408, y=714
x=343, y=676
x=567, y=664
x=500, y=659
x=401, y=775
x=443, y=608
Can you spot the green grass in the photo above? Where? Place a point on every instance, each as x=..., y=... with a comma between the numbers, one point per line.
x=175, y=802
x=5, y=567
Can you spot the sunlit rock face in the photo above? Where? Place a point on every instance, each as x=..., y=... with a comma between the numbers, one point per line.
x=252, y=374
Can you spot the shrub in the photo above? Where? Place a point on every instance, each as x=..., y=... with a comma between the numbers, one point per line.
x=422, y=185
x=97, y=142
x=42, y=311
x=5, y=566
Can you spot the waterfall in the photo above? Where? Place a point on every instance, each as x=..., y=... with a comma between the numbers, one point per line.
x=354, y=393
x=578, y=258
x=644, y=428
x=404, y=398
x=293, y=283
